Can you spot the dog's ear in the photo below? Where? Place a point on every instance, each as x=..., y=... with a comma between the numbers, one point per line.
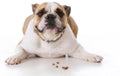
x=34, y=6
x=67, y=9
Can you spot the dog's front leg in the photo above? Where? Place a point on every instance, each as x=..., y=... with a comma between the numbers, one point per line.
x=82, y=54
x=19, y=55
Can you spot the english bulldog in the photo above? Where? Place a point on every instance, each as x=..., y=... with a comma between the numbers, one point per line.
x=50, y=33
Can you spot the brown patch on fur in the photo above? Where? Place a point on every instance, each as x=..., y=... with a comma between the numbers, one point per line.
x=37, y=19
x=27, y=20
x=34, y=6
x=67, y=10
x=73, y=25
x=70, y=20
x=64, y=19
x=40, y=6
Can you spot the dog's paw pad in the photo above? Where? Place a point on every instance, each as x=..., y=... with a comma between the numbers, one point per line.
x=94, y=58
x=13, y=60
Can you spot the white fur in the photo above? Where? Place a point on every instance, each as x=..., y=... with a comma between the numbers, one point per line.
x=51, y=6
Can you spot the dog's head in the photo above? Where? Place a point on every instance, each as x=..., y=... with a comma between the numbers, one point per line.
x=50, y=18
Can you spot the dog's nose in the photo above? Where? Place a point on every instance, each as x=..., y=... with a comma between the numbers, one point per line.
x=50, y=17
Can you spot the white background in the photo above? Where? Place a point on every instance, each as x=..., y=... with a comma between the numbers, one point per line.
x=99, y=33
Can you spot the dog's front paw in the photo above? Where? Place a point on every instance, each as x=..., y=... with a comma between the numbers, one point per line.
x=94, y=58
x=13, y=60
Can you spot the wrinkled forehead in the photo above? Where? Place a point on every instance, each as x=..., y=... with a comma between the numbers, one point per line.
x=51, y=6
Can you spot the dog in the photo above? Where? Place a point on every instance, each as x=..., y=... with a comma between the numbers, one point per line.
x=50, y=32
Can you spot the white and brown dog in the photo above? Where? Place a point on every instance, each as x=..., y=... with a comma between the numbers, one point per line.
x=50, y=32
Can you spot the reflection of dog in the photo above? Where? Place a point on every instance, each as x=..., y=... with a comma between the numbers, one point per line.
x=50, y=32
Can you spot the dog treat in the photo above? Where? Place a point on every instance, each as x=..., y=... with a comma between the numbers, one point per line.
x=56, y=66
x=57, y=62
x=53, y=64
x=65, y=67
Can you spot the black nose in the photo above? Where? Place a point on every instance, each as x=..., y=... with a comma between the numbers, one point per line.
x=50, y=17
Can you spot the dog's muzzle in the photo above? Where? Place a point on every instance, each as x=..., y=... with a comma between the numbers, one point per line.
x=50, y=18
x=50, y=24
x=50, y=21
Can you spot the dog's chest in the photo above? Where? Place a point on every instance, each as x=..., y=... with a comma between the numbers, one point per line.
x=33, y=44
x=51, y=50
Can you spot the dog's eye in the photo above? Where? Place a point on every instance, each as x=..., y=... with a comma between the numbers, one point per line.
x=59, y=12
x=41, y=12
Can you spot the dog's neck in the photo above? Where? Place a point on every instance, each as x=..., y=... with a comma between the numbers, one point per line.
x=52, y=38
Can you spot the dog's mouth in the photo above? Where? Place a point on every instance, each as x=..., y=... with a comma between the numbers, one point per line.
x=51, y=27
